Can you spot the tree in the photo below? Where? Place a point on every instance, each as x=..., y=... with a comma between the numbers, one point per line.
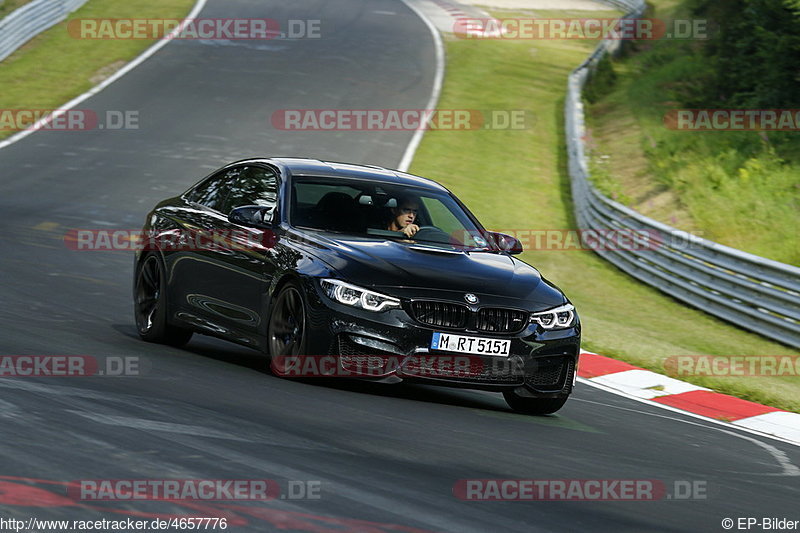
x=755, y=55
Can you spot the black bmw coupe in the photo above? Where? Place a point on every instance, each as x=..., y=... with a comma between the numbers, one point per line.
x=335, y=269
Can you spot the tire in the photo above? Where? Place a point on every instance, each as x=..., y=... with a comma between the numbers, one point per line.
x=288, y=324
x=534, y=406
x=150, y=305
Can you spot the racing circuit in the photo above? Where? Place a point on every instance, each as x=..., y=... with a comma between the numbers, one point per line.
x=339, y=456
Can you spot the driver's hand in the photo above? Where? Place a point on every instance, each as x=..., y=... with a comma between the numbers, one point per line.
x=410, y=230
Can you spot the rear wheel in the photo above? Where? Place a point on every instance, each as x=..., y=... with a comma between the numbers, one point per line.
x=150, y=305
x=534, y=406
x=287, y=327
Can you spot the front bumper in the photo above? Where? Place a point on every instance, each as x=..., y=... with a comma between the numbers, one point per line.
x=391, y=346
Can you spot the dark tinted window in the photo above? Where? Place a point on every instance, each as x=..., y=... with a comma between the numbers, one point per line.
x=308, y=194
x=254, y=186
x=362, y=207
x=212, y=192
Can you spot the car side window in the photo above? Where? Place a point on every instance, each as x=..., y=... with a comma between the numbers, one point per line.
x=254, y=186
x=212, y=192
x=441, y=217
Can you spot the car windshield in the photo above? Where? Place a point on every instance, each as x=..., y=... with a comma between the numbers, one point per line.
x=381, y=210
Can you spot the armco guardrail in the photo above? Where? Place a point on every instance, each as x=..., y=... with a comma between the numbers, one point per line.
x=27, y=22
x=752, y=292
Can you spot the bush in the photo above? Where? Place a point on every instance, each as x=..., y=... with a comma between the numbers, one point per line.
x=602, y=80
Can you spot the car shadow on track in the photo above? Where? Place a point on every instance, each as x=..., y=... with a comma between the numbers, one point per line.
x=227, y=352
x=204, y=346
x=411, y=391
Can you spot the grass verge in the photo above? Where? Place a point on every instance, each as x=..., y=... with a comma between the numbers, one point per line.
x=517, y=179
x=741, y=189
x=53, y=67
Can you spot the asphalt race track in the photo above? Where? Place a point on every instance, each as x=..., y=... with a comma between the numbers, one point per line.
x=386, y=458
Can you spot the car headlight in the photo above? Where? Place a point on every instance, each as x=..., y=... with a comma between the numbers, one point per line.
x=560, y=317
x=355, y=296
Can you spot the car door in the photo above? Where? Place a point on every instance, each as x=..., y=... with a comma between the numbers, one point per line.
x=210, y=272
x=242, y=262
x=187, y=262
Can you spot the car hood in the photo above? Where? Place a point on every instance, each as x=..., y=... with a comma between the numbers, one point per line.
x=405, y=267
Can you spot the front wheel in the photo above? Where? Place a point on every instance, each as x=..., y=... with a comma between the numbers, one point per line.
x=534, y=406
x=150, y=305
x=287, y=327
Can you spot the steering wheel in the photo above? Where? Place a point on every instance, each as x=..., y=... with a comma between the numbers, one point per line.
x=431, y=233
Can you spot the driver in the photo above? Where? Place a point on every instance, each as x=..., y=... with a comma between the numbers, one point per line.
x=404, y=216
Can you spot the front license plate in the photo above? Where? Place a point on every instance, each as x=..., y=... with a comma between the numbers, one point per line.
x=476, y=345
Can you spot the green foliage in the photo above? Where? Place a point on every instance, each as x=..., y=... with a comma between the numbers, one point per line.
x=602, y=80
x=739, y=188
x=754, y=58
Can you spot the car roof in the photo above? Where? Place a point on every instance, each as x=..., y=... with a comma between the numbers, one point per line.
x=295, y=166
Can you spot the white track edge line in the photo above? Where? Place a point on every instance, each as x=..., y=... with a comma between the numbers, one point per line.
x=413, y=144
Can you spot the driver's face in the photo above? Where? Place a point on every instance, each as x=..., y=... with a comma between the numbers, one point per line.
x=405, y=214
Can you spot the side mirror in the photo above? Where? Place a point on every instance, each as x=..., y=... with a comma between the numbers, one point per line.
x=254, y=216
x=507, y=243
